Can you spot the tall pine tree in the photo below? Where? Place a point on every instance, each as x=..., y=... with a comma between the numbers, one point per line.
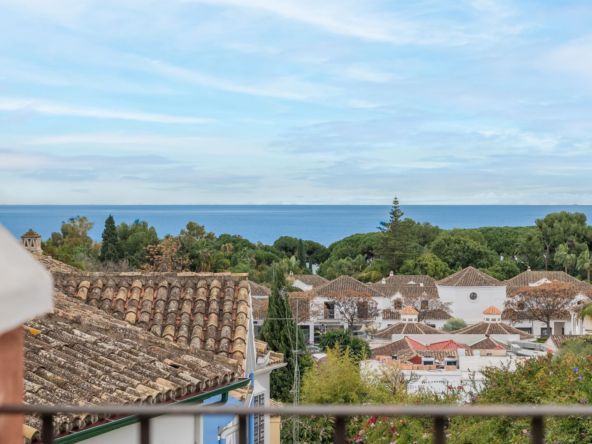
x=110, y=248
x=397, y=239
x=280, y=331
x=301, y=254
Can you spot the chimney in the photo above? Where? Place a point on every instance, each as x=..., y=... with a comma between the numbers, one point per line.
x=392, y=273
x=383, y=281
x=31, y=240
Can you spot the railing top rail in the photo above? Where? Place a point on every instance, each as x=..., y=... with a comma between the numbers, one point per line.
x=524, y=410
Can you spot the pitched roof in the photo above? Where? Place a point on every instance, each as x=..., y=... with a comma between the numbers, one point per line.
x=345, y=286
x=31, y=234
x=559, y=340
x=487, y=344
x=438, y=314
x=407, y=348
x=259, y=289
x=408, y=311
x=470, y=277
x=528, y=278
x=313, y=280
x=260, y=307
x=407, y=286
x=53, y=265
x=512, y=315
x=492, y=328
x=492, y=310
x=207, y=311
x=80, y=355
x=406, y=328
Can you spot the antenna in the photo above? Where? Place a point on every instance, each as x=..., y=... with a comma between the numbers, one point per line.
x=296, y=398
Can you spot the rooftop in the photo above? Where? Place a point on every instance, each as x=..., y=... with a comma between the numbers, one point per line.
x=80, y=355
x=406, y=328
x=470, y=277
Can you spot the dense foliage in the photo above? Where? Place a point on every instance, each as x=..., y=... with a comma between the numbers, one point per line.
x=559, y=241
x=358, y=348
x=282, y=335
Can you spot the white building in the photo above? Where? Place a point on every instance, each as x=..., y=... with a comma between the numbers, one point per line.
x=469, y=292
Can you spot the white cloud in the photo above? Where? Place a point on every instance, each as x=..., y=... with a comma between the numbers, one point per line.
x=574, y=57
x=280, y=88
x=60, y=109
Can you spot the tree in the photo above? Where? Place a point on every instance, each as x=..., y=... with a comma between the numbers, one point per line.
x=543, y=302
x=397, y=241
x=503, y=270
x=565, y=258
x=584, y=264
x=343, y=339
x=454, y=324
x=459, y=251
x=287, y=245
x=301, y=252
x=72, y=244
x=562, y=228
x=281, y=333
x=315, y=252
x=428, y=263
x=133, y=241
x=164, y=256
x=354, y=306
x=110, y=249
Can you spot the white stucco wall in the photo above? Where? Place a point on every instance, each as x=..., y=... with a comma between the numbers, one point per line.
x=461, y=305
x=164, y=430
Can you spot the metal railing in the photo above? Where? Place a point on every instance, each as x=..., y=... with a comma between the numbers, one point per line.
x=340, y=413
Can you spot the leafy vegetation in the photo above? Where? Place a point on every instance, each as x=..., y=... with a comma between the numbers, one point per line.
x=559, y=241
x=358, y=348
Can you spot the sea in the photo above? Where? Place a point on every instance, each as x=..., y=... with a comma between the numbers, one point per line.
x=265, y=223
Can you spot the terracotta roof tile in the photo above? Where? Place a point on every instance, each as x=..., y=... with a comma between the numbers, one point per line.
x=492, y=328
x=437, y=314
x=408, y=311
x=80, y=355
x=313, y=280
x=470, y=277
x=492, y=310
x=345, y=286
x=530, y=277
x=203, y=310
x=259, y=289
x=408, y=286
x=406, y=328
x=487, y=344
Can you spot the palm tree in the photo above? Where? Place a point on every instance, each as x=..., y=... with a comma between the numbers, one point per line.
x=585, y=263
x=586, y=311
x=564, y=258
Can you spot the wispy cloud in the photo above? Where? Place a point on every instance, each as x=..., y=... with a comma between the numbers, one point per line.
x=61, y=109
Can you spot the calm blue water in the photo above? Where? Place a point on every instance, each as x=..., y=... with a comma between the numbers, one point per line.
x=265, y=223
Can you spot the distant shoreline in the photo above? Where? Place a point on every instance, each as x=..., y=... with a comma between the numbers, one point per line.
x=265, y=223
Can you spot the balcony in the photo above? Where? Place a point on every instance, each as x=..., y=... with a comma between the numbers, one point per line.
x=440, y=415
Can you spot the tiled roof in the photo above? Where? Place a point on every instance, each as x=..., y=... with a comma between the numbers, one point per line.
x=260, y=307
x=492, y=310
x=437, y=314
x=492, y=328
x=406, y=328
x=53, y=265
x=530, y=277
x=31, y=234
x=487, y=344
x=407, y=348
x=259, y=289
x=412, y=286
x=408, y=311
x=206, y=311
x=345, y=286
x=313, y=280
x=391, y=315
x=263, y=350
x=470, y=277
x=80, y=355
x=559, y=340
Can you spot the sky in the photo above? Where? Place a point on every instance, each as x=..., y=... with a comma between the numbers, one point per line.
x=295, y=102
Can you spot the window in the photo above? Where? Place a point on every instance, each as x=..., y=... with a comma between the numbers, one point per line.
x=398, y=304
x=545, y=331
x=526, y=329
x=363, y=312
x=329, y=310
x=473, y=296
x=259, y=420
x=424, y=304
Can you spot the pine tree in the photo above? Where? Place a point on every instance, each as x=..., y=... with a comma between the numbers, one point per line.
x=279, y=330
x=397, y=237
x=301, y=254
x=110, y=248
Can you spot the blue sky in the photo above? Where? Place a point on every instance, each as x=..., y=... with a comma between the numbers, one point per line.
x=296, y=101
